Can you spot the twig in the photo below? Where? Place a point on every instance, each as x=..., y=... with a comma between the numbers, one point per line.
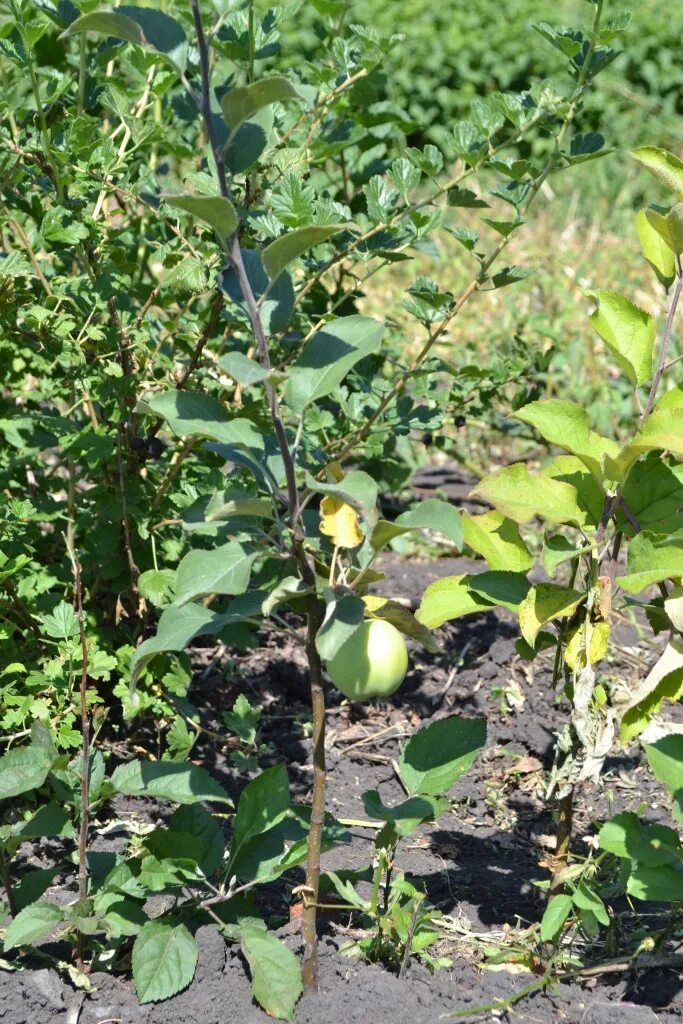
x=663, y=352
x=315, y=608
x=170, y=475
x=132, y=565
x=16, y=227
x=204, y=337
x=85, y=746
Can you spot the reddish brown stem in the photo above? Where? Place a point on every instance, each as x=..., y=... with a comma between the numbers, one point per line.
x=565, y=817
x=309, y=962
x=233, y=251
x=85, y=748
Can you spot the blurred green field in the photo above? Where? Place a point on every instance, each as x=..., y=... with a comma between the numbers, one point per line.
x=453, y=51
x=581, y=234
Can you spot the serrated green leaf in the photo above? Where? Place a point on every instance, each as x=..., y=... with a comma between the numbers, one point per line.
x=241, y=103
x=216, y=211
x=327, y=358
x=156, y=586
x=449, y=598
x=498, y=540
x=566, y=425
x=34, y=922
x=275, y=972
x=628, y=331
x=164, y=961
x=163, y=780
x=439, y=754
x=544, y=603
x=223, y=570
x=650, y=562
x=520, y=496
x=658, y=254
x=669, y=225
x=285, y=249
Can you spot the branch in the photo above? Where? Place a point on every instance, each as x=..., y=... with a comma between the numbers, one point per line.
x=315, y=616
x=661, y=362
x=85, y=744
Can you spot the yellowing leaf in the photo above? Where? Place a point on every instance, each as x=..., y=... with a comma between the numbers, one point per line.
x=664, y=682
x=340, y=522
x=596, y=648
x=400, y=617
x=543, y=604
x=673, y=606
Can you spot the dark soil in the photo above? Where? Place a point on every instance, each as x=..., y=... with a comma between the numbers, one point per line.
x=478, y=863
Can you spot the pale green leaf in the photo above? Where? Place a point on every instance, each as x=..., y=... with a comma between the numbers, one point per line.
x=285, y=249
x=666, y=167
x=656, y=251
x=498, y=540
x=241, y=103
x=164, y=961
x=628, y=331
x=566, y=425
x=326, y=359
x=449, y=598
x=439, y=754
x=163, y=780
x=275, y=972
x=222, y=570
x=544, y=603
x=649, y=562
x=518, y=495
x=669, y=225
x=156, y=586
x=216, y=211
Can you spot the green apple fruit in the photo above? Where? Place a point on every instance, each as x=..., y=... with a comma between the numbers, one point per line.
x=372, y=663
